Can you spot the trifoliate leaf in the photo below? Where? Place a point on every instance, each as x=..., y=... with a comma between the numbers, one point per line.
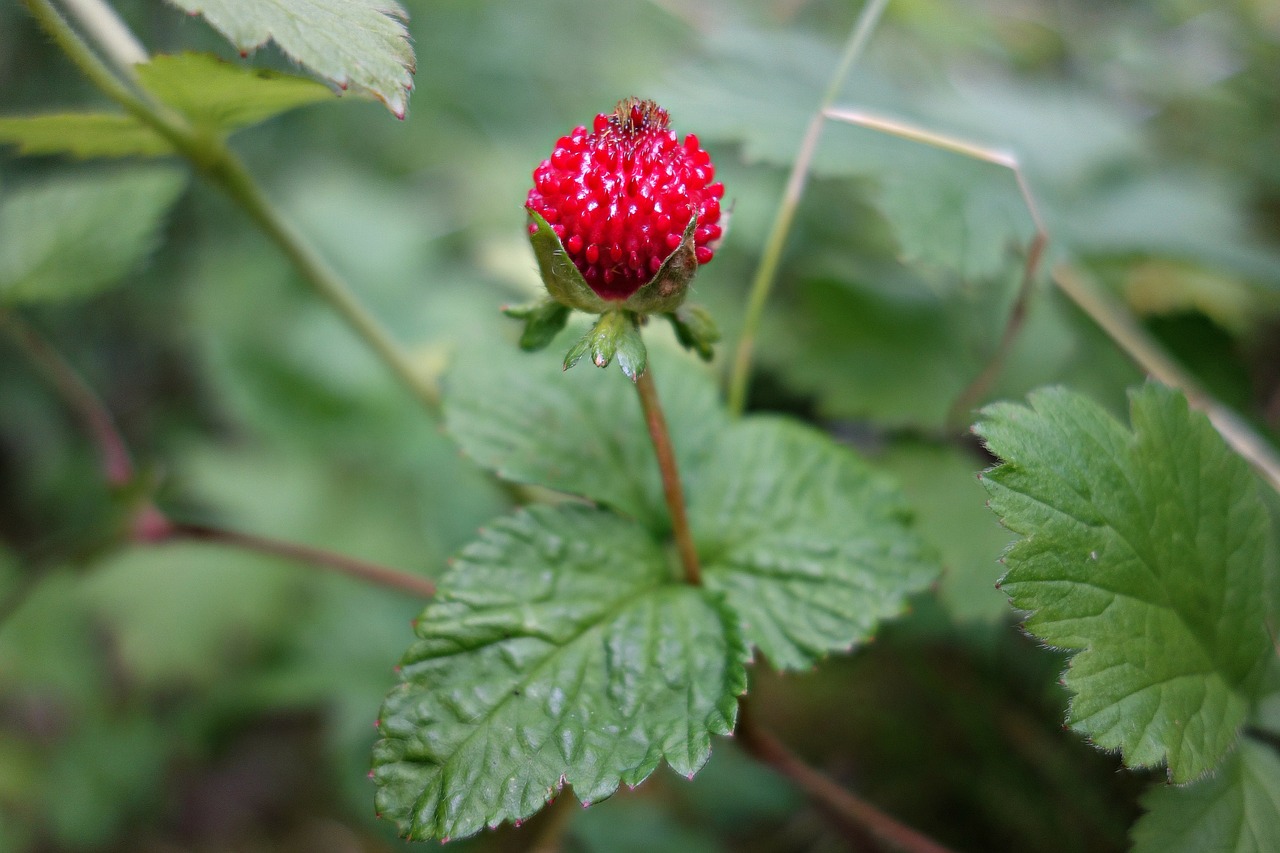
x=1144, y=551
x=1236, y=809
x=224, y=97
x=582, y=433
x=83, y=135
x=358, y=43
x=66, y=236
x=561, y=649
x=810, y=547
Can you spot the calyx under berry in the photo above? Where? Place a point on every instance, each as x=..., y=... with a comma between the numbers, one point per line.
x=629, y=207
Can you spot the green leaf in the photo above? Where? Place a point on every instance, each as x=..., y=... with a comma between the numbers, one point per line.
x=224, y=97
x=358, y=43
x=67, y=236
x=1236, y=809
x=1144, y=550
x=83, y=135
x=561, y=649
x=523, y=418
x=543, y=321
x=809, y=546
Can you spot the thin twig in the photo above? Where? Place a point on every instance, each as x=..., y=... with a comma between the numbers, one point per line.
x=767, y=271
x=350, y=566
x=117, y=467
x=829, y=796
x=671, y=488
x=115, y=38
x=1116, y=320
x=958, y=413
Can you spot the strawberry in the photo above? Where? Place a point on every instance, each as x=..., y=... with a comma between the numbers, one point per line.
x=620, y=196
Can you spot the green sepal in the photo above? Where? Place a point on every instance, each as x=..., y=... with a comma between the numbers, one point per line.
x=666, y=290
x=563, y=280
x=615, y=334
x=695, y=330
x=542, y=322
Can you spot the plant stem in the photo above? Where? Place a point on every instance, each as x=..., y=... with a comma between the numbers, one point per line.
x=213, y=159
x=1130, y=336
x=767, y=271
x=115, y=38
x=350, y=566
x=825, y=793
x=671, y=488
x=117, y=467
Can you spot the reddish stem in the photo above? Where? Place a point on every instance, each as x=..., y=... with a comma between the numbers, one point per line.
x=350, y=566
x=837, y=802
x=674, y=494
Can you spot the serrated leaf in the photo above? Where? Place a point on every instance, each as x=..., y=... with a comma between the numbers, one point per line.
x=83, y=135
x=561, y=649
x=1236, y=809
x=809, y=546
x=66, y=236
x=1144, y=551
x=583, y=433
x=358, y=43
x=223, y=97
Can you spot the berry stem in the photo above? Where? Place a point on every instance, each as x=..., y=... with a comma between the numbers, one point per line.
x=767, y=272
x=218, y=164
x=671, y=488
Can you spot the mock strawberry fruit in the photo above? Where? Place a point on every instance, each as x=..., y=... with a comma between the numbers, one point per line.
x=620, y=197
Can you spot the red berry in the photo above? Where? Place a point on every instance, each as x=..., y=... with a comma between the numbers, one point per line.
x=621, y=195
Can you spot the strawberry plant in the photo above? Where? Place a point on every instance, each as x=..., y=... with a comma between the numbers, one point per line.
x=739, y=593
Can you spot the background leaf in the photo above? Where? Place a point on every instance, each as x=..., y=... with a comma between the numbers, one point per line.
x=222, y=96
x=66, y=236
x=83, y=135
x=809, y=546
x=361, y=43
x=1144, y=550
x=1236, y=809
x=561, y=648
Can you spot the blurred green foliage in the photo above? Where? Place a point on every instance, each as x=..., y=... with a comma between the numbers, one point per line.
x=161, y=697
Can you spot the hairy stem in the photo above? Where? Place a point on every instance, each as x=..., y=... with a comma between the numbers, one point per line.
x=350, y=566
x=767, y=271
x=218, y=164
x=671, y=488
x=117, y=467
x=1124, y=329
x=834, y=800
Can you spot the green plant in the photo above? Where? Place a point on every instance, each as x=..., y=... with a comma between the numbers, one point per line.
x=704, y=551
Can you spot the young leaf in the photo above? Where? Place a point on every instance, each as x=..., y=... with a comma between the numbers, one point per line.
x=83, y=135
x=523, y=418
x=361, y=43
x=561, y=650
x=225, y=97
x=66, y=236
x=1144, y=551
x=1237, y=809
x=809, y=546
